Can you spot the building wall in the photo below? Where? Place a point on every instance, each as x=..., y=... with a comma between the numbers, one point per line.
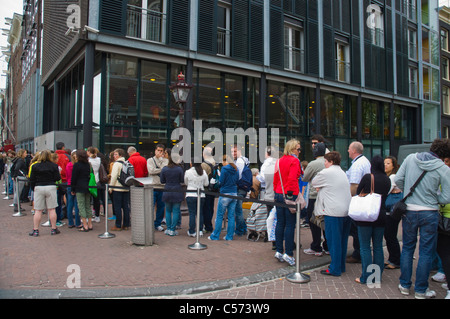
x=444, y=24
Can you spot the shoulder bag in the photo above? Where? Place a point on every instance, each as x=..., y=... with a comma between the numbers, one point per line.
x=365, y=207
x=399, y=208
x=92, y=183
x=299, y=199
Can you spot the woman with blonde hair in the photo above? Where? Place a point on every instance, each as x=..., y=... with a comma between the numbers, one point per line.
x=43, y=178
x=286, y=186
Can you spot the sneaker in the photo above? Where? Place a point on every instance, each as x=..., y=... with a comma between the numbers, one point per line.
x=60, y=224
x=191, y=235
x=55, y=231
x=113, y=217
x=279, y=256
x=445, y=286
x=448, y=295
x=160, y=228
x=96, y=219
x=309, y=251
x=403, y=290
x=425, y=295
x=290, y=260
x=439, y=277
x=34, y=233
x=201, y=234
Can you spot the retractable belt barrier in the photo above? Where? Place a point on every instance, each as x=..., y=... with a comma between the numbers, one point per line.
x=296, y=277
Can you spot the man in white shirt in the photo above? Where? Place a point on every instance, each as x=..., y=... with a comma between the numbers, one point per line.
x=359, y=167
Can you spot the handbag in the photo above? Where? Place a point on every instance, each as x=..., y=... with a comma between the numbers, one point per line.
x=300, y=200
x=365, y=207
x=92, y=184
x=399, y=209
x=102, y=175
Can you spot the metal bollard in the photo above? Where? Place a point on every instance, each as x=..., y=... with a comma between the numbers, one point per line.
x=19, y=209
x=197, y=245
x=106, y=234
x=297, y=276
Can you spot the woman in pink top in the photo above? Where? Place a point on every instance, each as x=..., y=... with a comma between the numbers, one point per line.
x=71, y=199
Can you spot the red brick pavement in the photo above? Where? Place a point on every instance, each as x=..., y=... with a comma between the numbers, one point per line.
x=38, y=267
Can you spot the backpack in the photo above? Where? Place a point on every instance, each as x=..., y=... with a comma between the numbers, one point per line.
x=246, y=181
x=213, y=175
x=126, y=173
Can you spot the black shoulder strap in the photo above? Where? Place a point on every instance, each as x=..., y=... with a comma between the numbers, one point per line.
x=414, y=186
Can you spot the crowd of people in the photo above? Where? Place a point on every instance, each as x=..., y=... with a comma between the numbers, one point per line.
x=61, y=179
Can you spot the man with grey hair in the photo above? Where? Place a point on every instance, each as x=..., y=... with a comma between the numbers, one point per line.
x=359, y=167
x=139, y=162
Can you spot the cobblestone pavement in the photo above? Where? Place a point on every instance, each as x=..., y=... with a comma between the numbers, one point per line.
x=43, y=267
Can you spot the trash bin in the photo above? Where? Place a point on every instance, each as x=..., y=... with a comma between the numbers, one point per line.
x=141, y=210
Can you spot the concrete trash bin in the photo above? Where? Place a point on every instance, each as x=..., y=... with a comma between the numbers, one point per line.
x=141, y=210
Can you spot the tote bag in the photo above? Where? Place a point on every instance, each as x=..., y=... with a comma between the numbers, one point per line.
x=92, y=184
x=365, y=207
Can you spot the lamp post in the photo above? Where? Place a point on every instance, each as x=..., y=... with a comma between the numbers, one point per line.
x=180, y=92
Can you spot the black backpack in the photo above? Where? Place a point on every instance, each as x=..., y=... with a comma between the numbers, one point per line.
x=214, y=174
x=126, y=173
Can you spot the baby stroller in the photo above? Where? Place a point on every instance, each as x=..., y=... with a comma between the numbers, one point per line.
x=256, y=222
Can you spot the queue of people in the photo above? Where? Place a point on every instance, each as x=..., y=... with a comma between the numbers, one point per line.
x=327, y=188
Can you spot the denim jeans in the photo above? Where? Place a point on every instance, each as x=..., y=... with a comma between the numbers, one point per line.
x=192, y=206
x=229, y=205
x=157, y=200
x=284, y=230
x=368, y=235
x=337, y=230
x=172, y=215
x=241, y=226
x=71, y=206
x=424, y=223
x=122, y=206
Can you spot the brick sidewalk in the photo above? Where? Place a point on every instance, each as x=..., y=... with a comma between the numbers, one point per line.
x=38, y=267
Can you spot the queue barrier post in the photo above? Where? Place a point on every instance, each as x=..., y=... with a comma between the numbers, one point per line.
x=297, y=276
x=197, y=245
x=106, y=234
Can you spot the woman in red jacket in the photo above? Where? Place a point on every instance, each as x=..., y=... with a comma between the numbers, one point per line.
x=290, y=170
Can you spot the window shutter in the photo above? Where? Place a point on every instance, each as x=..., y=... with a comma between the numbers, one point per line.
x=240, y=29
x=276, y=38
x=356, y=61
x=113, y=18
x=329, y=55
x=313, y=48
x=178, y=34
x=207, y=26
x=256, y=32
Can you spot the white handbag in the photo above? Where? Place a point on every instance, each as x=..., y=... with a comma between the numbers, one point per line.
x=365, y=207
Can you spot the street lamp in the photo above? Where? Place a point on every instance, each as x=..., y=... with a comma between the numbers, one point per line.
x=180, y=92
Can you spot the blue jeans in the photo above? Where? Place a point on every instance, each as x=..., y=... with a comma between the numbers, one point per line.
x=424, y=223
x=368, y=235
x=228, y=204
x=159, y=216
x=284, y=230
x=71, y=205
x=172, y=215
x=241, y=226
x=192, y=206
x=337, y=230
x=121, y=205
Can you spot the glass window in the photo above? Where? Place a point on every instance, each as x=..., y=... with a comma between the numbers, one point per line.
x=413, y=82
x=333, y=114
x=431, y=122
x=426, y=83
x=444, y=68
x=403, y=123
x=223, y=29
x=342, y=62
x=276, y=108
x=445, y=100
x=234, y=107
x=373, y=120
x=146, y=19
x=121, y=90
x=425, y=45
x=444, y=39
x=153, y=94
x=294, y=53
x=412, y=44
x=207, y=102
